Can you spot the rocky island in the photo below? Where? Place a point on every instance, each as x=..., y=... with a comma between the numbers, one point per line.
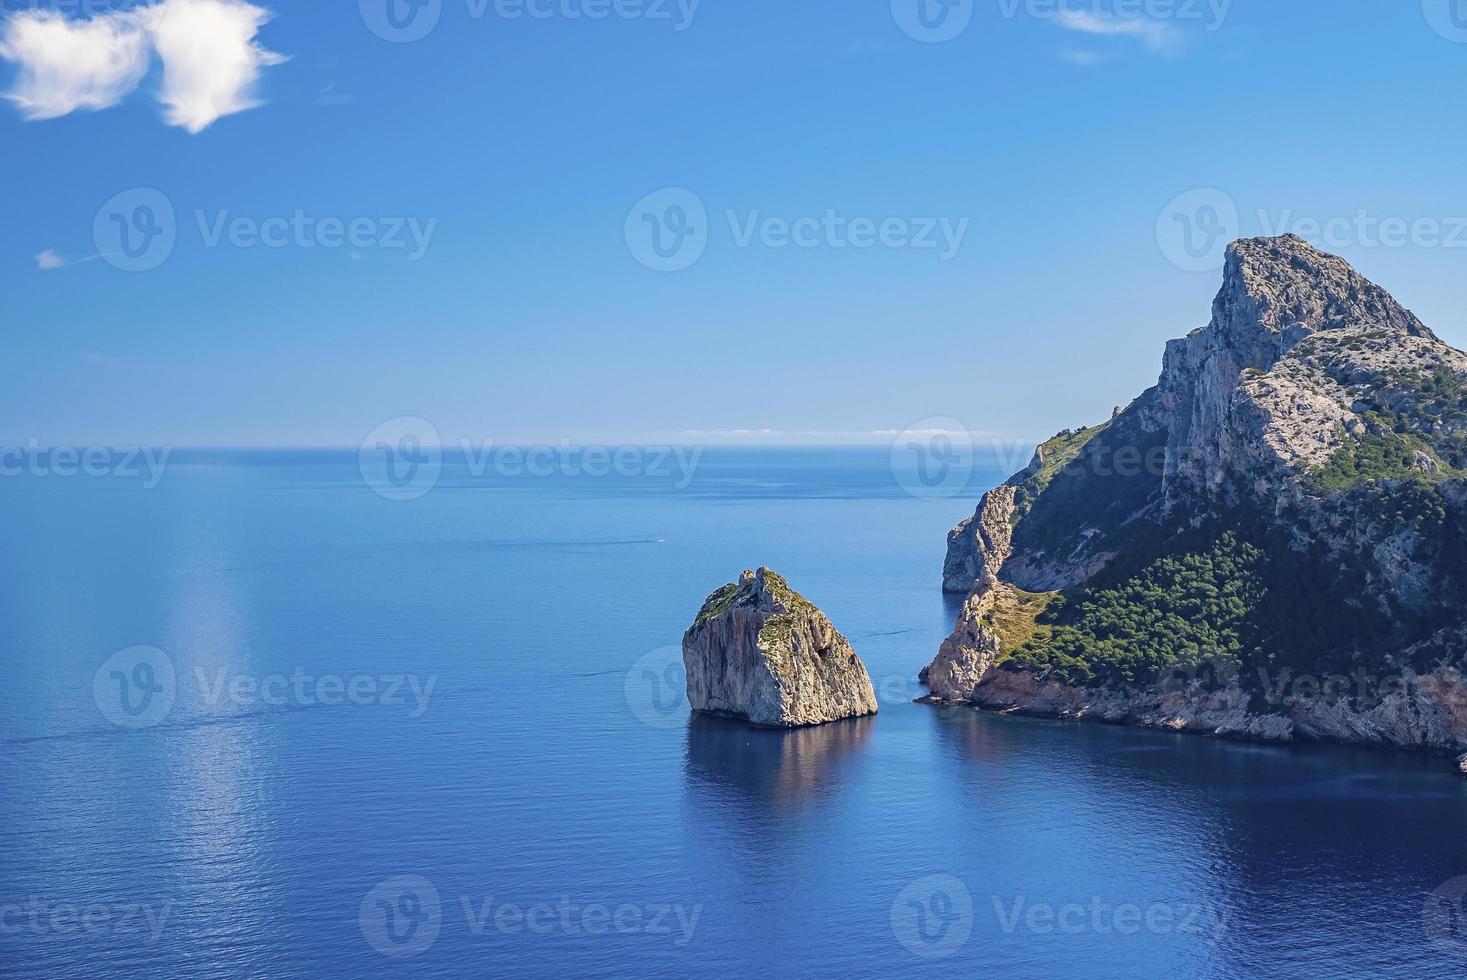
x=762, y=652
x=1270, y=543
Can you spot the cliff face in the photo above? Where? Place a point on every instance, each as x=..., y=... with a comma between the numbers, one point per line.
x=762, y=652
x=982, y=543
x=1290, y=497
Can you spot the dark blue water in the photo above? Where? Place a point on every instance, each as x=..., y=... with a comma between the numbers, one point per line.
x=443, y=737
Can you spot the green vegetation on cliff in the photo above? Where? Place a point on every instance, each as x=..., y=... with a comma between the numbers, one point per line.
x=718, y=603
x=1050, y=459
x=745, y=592
x=1237, y=598
x=1380, y=455
x=1121, y=456
x=1056, y=453
x=1178, y=611
x=1433, y=403
x=1014, y=618
x=1416, y=428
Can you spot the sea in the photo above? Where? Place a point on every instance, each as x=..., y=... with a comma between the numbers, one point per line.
x=319, y=714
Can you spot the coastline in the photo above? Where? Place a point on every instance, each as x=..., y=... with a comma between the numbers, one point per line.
x=1426, y=717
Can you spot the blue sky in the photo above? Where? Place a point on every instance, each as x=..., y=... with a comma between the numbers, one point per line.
x=518, y=147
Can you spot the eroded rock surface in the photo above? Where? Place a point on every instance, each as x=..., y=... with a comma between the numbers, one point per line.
x=762, y=652
x=981, y=543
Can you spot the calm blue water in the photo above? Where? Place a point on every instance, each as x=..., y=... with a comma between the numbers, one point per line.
x=443, y=737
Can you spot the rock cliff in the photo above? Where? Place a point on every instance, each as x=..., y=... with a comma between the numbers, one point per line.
x=1270, y=543
x=762, y=652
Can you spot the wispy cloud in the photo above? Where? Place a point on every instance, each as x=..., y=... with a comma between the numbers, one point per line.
x=51, y=259
x=1085, y=59
x=1159, y=37
x=211, y=62
x=330, y=96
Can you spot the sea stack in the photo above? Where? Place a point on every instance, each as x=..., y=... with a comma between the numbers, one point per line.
x=762, y=652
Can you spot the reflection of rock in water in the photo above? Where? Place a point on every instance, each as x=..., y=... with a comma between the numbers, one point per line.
x=967, y=736
x=789, y=768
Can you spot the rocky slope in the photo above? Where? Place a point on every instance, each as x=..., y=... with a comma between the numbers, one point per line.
x=762, y=652
x=1270, y=543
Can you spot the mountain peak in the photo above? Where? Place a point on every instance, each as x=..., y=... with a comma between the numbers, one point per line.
x=1276, y=293
x=1286, y=285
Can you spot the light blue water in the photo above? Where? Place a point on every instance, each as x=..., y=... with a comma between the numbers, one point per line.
x=547, y=809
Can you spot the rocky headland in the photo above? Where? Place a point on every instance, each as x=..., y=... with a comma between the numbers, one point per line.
x=762, y=652
x=1271, y=543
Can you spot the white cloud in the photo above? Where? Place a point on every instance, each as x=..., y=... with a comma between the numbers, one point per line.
x=211, y=62
x=67, y=65
x=1157, y=36
x=210, y=59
